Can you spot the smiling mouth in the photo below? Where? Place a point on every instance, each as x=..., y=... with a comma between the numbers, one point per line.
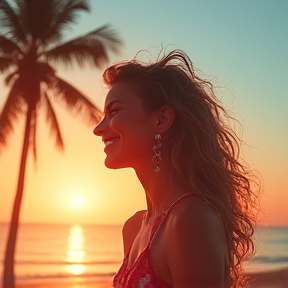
x=110, y=141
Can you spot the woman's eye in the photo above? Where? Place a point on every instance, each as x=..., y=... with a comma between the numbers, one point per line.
x=113, y=112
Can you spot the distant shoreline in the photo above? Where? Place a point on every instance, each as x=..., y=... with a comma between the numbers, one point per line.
x=270, y=279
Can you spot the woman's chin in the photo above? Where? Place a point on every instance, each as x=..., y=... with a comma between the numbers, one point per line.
x=113, y=164
x=110, y=166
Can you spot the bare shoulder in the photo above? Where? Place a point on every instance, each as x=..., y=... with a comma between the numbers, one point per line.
x=196, y=220
x=196, y=244
x=195, y=212
x=131, y=228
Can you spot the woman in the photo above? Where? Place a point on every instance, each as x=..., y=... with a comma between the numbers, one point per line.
x=166, y=123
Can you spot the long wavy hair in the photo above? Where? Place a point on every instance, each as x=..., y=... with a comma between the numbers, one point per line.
x=204, y=150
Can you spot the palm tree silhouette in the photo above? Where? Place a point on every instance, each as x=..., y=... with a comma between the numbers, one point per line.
x=30, y=44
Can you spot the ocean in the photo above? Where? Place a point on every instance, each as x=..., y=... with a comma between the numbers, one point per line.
x=60, y=253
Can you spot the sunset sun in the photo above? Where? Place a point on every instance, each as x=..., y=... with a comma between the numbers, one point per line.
x=77, y=201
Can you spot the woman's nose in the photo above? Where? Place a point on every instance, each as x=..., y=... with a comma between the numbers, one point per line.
x=99, y=130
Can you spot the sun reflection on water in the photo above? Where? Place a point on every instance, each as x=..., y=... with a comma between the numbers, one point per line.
x=75, y=251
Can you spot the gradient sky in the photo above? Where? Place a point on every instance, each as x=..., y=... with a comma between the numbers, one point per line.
x=242, y=45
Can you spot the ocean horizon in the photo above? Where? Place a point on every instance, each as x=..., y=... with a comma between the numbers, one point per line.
x=63, y=252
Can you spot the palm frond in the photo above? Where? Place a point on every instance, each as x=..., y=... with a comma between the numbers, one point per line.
x=11, y=77
x=5, y=64
x=9, y=48
x=10, y=24
x=45, y=71
x=76, y=102
x=45, y=20
x=91, y=48
x=108, y=36
x=64, y=14
x=13, y=107
x=53, y=122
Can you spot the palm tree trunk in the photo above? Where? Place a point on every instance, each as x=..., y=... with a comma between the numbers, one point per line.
x=8, y=275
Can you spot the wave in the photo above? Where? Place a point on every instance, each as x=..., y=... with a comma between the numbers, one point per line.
x=64, y=276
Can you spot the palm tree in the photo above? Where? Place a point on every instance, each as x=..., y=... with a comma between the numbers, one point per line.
x=30, y=44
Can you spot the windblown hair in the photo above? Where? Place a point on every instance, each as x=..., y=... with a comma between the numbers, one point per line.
x=204, y=150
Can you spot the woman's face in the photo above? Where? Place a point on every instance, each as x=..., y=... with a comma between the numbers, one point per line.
x=127, y=130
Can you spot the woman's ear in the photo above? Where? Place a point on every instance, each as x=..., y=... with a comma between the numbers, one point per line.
x=165, y=118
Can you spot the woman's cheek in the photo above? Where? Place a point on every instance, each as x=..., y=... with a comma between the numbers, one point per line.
x=114, y=123
x=118, y=122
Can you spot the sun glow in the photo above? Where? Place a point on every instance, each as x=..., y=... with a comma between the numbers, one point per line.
x=77, y=201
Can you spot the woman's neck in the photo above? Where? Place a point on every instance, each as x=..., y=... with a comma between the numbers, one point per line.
x=160, y=191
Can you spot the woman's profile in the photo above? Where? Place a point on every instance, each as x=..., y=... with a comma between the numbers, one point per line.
x=166, y=123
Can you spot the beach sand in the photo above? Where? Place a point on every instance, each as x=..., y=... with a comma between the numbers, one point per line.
x=270, y=279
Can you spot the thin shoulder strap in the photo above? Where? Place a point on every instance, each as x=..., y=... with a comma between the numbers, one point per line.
x=165, y=215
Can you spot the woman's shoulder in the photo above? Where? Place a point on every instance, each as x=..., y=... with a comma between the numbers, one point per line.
x=133, y=222
x=196, y=228
x=194, y=211
x=131, y=228
x=198, y=221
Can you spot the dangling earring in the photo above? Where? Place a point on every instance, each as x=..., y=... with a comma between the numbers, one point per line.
x=157, y=158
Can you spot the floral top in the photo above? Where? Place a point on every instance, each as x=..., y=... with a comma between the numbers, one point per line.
x=141, y=273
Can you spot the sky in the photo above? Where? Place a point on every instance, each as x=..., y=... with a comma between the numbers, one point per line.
x=241, y=45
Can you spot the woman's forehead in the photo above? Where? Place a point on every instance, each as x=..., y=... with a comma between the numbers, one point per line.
x=121, y=92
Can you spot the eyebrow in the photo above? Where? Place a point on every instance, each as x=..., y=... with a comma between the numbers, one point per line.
x=112, y=103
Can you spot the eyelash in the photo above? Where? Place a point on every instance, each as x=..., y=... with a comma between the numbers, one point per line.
x=113, y=112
